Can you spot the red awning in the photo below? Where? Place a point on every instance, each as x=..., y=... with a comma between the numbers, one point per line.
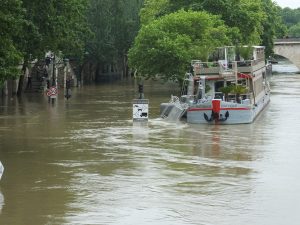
x=243, y=75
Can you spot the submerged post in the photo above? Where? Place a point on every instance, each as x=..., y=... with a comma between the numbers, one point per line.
x=141, y=91
x=140, y=106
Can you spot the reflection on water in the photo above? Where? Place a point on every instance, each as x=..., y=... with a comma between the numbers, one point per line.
x=1, y=201
x=83, y=161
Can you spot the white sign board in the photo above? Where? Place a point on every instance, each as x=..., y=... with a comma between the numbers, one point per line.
x=140, y=108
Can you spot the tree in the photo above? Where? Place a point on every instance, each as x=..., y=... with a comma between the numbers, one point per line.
x=290, y=16
x=115, y=24
x=294, y=31
x=273, y=26
x=11, y=19
x=256, y=21
x=153, y=9
x=226, y=90
x=57, y=25
x=166, y=46
x=244, y=15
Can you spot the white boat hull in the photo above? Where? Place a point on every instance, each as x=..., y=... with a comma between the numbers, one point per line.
x=239, y=114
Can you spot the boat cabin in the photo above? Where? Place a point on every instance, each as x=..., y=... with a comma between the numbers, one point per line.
x=232, y=74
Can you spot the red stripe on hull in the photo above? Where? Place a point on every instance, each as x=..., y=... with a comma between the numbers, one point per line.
x=205, y=109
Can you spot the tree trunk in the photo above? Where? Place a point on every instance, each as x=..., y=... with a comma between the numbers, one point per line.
x=20, y=86
x=5, y=89
x=21, y=79
x=125, y=66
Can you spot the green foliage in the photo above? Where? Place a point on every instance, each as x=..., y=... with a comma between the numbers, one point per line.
x=57, y=25
x=272, y=25
x=10, y=22
x=245, y=52
x=238, y=89
x=244, y=15
x=253, y=22
x=166, y=46
x=9, y=60
x=106, y=29
x=152, y=10
x=290, y=16
x=226, y=90
x=32, y=27
x=294, y=31
x=234, y=89
x=115, y=24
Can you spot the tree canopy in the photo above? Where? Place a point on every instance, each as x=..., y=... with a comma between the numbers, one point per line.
x=294, y=31
x=244, y=22
x=11, y=19
x=245, y=15
x=114, y=25
x=57, y=25
x=105, y=30
x=291, y=18
x=272, y=26
x=165, y=46
x=32, y=27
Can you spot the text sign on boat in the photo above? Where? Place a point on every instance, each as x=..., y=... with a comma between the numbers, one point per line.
x=140, y=109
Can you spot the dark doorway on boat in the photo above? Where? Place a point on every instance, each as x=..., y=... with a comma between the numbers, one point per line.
x=218, y=85
x=218, y=93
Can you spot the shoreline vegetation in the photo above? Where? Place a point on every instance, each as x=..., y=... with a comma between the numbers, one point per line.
x=94, y=39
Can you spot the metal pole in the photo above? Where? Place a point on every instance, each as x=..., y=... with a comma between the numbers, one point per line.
x=53, y=76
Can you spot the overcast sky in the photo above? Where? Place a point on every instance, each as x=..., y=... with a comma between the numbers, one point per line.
x=294, y=4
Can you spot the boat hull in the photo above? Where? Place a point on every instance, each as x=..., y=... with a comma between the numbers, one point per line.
x=240, y=114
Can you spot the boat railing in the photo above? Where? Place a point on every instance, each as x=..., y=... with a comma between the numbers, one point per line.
x=248, y=66
x=187, y=99
x=224, y=68
x=212, y=68
x=241, y=99
x=178, y=102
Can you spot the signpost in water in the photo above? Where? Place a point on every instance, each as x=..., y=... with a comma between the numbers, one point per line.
x=140, y=109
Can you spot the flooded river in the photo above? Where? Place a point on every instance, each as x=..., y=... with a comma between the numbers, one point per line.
x=83, y=161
